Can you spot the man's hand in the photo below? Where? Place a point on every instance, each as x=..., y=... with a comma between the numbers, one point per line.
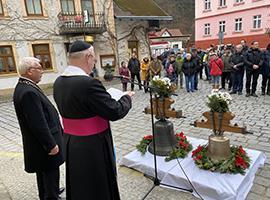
x=130, y=93
x=235, y=66
x=255, y=66
x=54, y=150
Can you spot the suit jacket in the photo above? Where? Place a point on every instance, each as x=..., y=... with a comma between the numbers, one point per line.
x=40, y=127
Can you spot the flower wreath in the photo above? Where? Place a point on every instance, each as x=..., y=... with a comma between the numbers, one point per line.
x=238, y=162
x=180, y=151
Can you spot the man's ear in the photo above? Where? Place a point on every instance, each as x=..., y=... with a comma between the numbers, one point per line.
x=28, y=72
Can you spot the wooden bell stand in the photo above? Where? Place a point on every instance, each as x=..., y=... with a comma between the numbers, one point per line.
x=162, y=108
x=219, y=145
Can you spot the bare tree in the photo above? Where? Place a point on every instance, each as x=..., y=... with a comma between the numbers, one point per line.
x=110, y=36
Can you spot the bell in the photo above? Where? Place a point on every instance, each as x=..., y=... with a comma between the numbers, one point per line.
x=219, y=148
x=165, y=139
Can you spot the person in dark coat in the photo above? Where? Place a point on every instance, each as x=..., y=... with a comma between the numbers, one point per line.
x=201, y=55
x=244, y=46
x=266, y=71
x=134, y=67
x=189, y=69
x=86, y=109
x=197, y=59
x=254, y=61
x=41, y=129
x=226, y=71
x=237, y=73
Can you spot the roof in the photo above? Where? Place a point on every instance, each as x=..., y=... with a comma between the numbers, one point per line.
x=141, y=9
x=173, y=33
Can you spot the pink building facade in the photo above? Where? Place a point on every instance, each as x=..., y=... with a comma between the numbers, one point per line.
x=237, y=19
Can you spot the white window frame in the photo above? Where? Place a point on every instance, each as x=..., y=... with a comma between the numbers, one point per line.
x=222, y=3
x=238, y=24
x=257, y=21
x=222, y=26
x=207, y=4
x=207, y=30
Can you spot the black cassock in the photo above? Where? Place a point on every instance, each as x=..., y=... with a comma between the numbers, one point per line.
x=90, y=161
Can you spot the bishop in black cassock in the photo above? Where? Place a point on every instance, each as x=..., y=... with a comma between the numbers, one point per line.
x=86, y=109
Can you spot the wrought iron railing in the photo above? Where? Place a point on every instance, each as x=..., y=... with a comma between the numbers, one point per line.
x=81, y=22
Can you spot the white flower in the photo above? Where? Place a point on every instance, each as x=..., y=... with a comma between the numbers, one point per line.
x=167, y=81
x=155, y=78
x=163, y=81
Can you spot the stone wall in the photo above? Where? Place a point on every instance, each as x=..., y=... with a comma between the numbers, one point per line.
x=123, y=32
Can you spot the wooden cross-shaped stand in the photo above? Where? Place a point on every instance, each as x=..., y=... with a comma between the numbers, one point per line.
x=162, y=108
x=220, y=122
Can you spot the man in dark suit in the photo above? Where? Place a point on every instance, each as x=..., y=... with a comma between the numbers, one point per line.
x=41, y=129
x=134, y=67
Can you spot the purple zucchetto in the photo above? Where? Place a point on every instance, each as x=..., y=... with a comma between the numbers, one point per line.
x=78, y=45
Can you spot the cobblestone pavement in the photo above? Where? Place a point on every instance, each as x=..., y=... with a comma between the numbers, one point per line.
x=253, y=112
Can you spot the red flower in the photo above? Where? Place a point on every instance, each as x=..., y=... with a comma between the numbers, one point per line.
x=181, y=136
x=183, y=145
x=239, y=162
x=148, y=137
x=198, y=150
x=199, y=157
x=241, y=151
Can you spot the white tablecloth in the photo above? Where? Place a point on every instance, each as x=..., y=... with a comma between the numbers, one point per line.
x=210, y=185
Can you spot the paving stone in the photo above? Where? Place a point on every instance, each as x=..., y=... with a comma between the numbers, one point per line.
x=265, y=174
x=268, y=192
x=262, y=181
x=258, y=189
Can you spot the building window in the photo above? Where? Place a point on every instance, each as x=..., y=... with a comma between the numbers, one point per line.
x=222, y=26
x=33, y=7
x=238, y=24
x=7, y=63
x=67, y=6
x=207, y=4
x=222, y=3
x=257, y=21
x=42, y=52
x=88, y=9
x=1, y=8
x=206, y=29
x=239, y=1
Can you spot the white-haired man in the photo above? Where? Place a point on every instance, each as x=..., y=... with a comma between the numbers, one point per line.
x=86, y=109
x=41, y=129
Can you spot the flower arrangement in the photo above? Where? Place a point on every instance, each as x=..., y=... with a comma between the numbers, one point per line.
x=180, y=151
x=142, y=147
x=219, y=101
x=238, y=162
x=162, y=86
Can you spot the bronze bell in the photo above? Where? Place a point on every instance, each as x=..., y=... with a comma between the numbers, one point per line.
x=165, y=139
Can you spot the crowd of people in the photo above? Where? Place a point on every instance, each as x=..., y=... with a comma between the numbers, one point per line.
x=223, y=66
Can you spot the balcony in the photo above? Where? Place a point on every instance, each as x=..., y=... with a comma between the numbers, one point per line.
x=81, y=23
